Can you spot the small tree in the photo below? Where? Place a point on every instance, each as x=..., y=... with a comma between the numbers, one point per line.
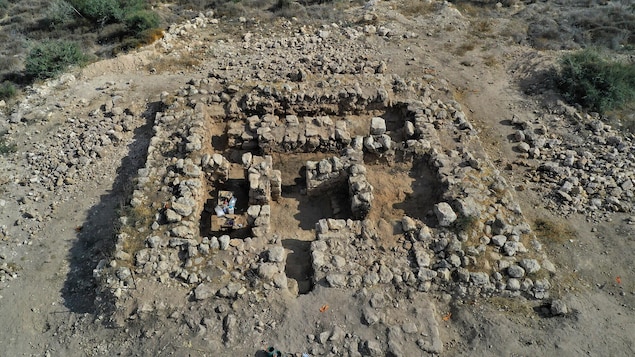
x=49, y=59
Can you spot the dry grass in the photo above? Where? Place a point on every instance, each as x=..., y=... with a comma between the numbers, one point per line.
x=414, y=8
x=172, y=63
x=140, y=216
x=515, y=306
x=482, y=28
x=550, y=231
x=464, y=48
x=491, y=61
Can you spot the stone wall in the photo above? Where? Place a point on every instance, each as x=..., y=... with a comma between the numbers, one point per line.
x=270, y=133
x=479, y=242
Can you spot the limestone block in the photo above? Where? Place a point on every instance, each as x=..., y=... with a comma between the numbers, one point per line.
x=445, y=214
x=377, y=126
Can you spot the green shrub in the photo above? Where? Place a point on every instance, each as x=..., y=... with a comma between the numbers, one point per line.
x=142, y=20
x=465, y=224
x=586, y=78
x=4, y=5
x=59, y=12
x=7, y=90
x=6, y=148
x=100, y=11
x=49, y=59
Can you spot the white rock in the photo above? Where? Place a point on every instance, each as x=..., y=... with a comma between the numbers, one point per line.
x=445, y=214
x=223, y=242
x=276, y=254
x=377, y=126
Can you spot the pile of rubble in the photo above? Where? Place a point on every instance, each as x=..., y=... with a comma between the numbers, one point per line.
x=591, y=171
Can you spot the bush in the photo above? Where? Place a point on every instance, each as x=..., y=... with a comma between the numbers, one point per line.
x=7, y=90
x=60, y=12
x=52, y=58
x=594, y=82
x=100, y=11
x=6, y=148
x=3, y=7
x=142, y=20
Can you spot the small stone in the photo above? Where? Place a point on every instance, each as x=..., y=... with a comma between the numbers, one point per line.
x=369, y=316
x=409, y=327
x=336, y=280
x=479, y=278
x=337, y=334
x=323, y=337
x=558, y=307
x=171, y=216
x=373, y=348
x=408, y=224
x=499, y=240
x=182, y=209
x=223, y=242
x=280, y=280
x=424, y=234
x=523, y=147
x=530, y=265
x=213, y=243
x=513, y=284
x=203, y=292
x=510, y=248
x=267, y=270
x=154, y=241
x=515, y=271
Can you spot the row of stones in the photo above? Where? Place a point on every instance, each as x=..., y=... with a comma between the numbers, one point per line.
x=270, y=134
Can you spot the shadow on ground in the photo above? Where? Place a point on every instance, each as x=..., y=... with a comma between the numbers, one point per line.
x=95, y=238
x=299, y=263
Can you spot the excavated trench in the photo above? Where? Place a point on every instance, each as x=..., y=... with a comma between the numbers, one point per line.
x=402, y=187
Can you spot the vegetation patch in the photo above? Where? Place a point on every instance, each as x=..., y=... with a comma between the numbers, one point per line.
x=552, y=232
x=4, y=4
x=5, y=147
x=48, y=59
x=7, y=90
x=465, y=224
x=142, y=20
x=414, y=8
x=594, y=82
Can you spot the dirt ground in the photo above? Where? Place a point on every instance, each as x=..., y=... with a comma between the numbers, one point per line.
x=48, y=309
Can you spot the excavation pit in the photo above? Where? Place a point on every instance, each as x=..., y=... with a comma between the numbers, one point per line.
x=211, y=223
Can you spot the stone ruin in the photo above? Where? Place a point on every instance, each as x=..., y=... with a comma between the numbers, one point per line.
x=473, y=241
